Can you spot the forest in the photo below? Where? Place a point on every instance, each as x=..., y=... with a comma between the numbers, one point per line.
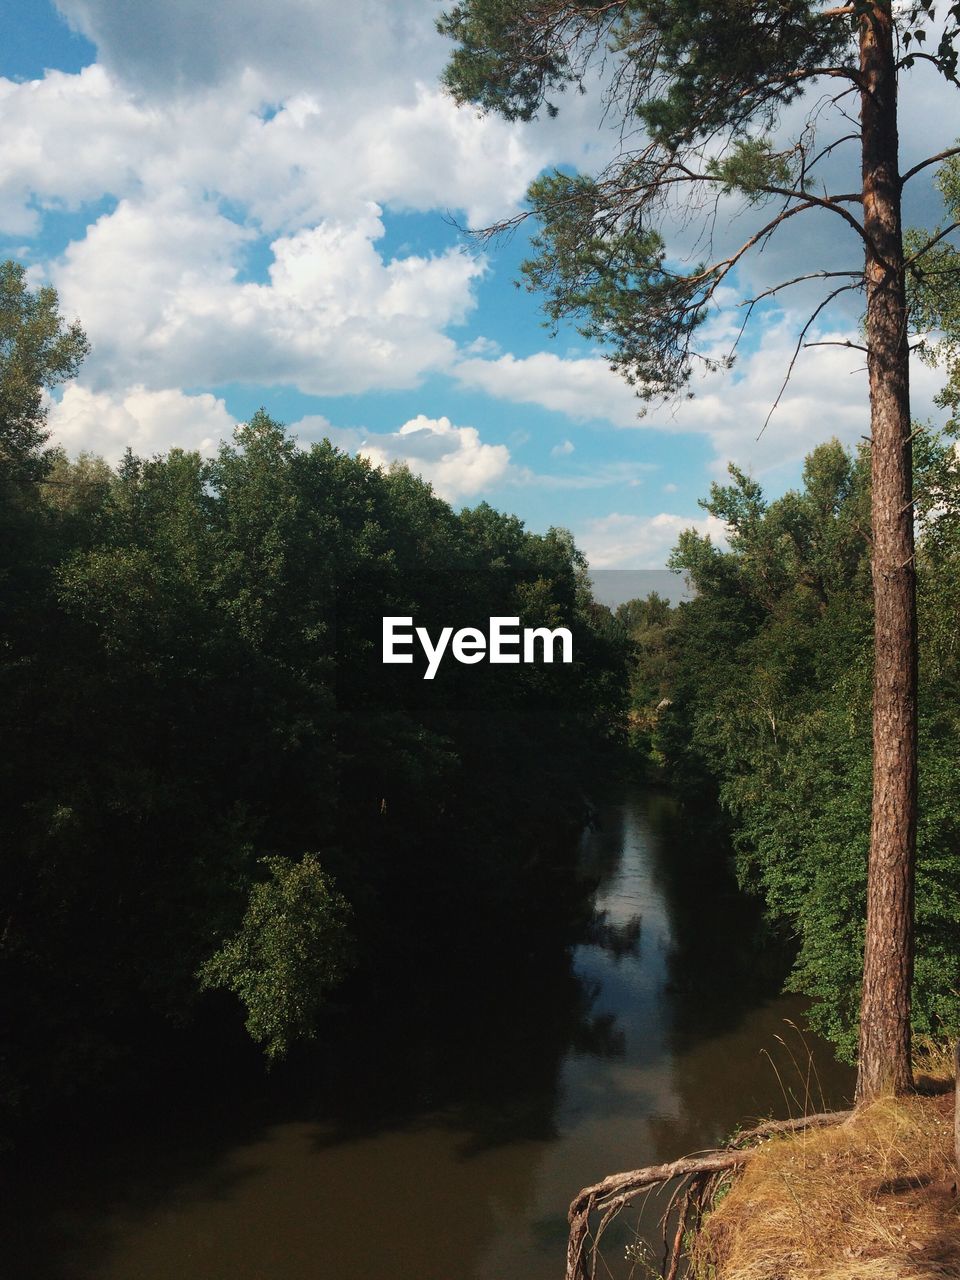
x=765, y=683
x=212, y=785
x=210, y=780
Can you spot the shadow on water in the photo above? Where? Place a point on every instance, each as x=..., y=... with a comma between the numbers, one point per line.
x=440, y=1134
x=329, y=1166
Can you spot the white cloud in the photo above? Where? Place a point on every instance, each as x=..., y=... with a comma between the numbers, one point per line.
x=156, y=284
x=616, y=474
x=562, y=450
x=287, y=157
x=453, y=459
x=436, y=155
x=584, y=388
x=826, y=394
x=458, y=463
x=365, y=63
x=639, y=542
x=482, y=347
x=170, y=48
x=202, y=179
x=293, y=126
x=290, y=129
x=147, y=421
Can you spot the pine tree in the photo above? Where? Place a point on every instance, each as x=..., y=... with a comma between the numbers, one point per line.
x=700, y=89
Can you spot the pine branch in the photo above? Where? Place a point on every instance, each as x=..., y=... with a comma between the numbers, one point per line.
x=925, y=164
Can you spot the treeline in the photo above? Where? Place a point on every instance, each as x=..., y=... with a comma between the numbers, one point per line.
x=209, y=780
x=757, y=694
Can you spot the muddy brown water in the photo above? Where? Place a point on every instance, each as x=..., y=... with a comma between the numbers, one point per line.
x=463, y=1170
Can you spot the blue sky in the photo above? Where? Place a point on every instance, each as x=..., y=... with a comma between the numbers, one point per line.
x=250, y=205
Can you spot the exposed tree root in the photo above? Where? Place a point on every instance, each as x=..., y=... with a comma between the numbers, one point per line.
x=677, y=1250
x=617, y=1191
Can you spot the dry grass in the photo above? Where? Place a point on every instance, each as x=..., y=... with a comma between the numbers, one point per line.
x=873, y=1199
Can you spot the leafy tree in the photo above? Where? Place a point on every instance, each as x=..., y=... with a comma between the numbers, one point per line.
x=292, y=948
x=649, y=624
x=37, y=351
x=771, y=701
x=699, y=90
x=934, y=288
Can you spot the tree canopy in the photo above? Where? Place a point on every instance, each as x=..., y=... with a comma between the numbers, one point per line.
x=38, y=350
x=699, y=91
x=210, y=781
x=757, y=693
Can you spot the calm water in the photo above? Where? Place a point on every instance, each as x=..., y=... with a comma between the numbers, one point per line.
x=451, y=1154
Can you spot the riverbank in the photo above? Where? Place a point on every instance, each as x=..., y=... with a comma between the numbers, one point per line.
x=872, y=1199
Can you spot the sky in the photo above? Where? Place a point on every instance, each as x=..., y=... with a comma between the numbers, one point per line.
x=261, y=205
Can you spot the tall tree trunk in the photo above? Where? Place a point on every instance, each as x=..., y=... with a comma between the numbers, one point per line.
x=884, y=1059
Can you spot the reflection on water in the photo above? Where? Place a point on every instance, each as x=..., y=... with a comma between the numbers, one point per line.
x=451, y=1152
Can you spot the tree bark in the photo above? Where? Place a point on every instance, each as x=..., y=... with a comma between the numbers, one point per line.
x=956, y=1103
x=884, y=1058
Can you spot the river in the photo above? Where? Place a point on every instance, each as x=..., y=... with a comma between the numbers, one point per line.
x=456, y=1152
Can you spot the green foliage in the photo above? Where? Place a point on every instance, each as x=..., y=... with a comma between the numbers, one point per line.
x=649, y=626
x=37, y=351
x=293, y=947
x=934, y=287
x=684, y=69
x=771, y=691
x=190, y=682
x=614, y=278
x=701, y=68
x=696, y=88
x=495, y=66
x=752, y=167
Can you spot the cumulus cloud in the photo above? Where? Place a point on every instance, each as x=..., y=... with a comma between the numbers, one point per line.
x=283, y=133
x=198, y=181
x=171, y=47
x=147, y=421
x=286, y=132
x=619, y=541
x=71, y=139
x=363, y=62
x=68, y=140
x=459, y=464
x=453, y=459
x=157, y=286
